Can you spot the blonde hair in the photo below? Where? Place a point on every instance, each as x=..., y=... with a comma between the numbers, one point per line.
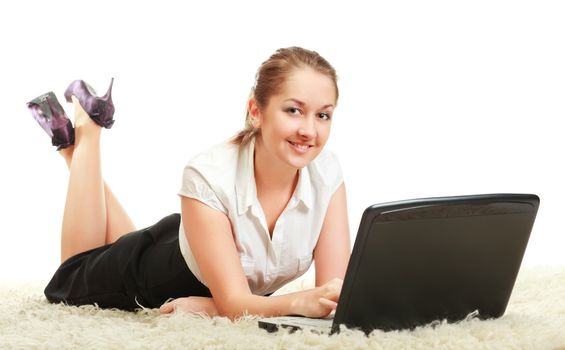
x=273, y=73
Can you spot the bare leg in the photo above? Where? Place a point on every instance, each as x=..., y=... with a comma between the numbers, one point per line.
x=118, y=221
x=85, y=219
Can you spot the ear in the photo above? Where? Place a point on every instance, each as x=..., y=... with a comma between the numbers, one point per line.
x=254, y=112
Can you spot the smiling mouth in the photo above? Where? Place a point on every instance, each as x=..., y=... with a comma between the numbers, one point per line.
x=300, y=147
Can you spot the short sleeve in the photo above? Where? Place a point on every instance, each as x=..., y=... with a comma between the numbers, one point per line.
x=338, y=175
x=194, y=185
x=326, y=170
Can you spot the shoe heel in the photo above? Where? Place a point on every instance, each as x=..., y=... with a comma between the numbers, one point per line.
x=50, y=115
x=100, y=109
x=108, y=96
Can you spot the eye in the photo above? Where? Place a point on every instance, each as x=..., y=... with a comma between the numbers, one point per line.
x=325, y=116
x=291, y=110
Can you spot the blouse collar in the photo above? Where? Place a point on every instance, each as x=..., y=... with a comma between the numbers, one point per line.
x=246, y=188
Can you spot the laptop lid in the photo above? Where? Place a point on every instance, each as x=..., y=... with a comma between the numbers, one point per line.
x=422, y=260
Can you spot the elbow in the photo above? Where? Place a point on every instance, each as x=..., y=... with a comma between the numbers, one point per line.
x=232, y=315
x=232, y=308
x=229, y=312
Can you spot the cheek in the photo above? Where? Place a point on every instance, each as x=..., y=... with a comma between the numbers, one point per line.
x=282, y=128
x=324, y=132
x=276, y=133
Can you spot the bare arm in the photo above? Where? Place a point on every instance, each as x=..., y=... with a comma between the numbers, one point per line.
x=334, y=248
x=211, y=240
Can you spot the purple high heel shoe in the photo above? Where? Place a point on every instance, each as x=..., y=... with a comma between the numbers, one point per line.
x=49, y=113
x=100, y=109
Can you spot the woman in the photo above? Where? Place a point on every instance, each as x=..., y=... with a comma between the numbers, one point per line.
x=254, y=210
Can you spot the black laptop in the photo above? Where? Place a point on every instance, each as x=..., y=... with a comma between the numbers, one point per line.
x=426, y=260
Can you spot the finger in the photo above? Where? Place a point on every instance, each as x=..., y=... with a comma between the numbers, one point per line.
x=167, y=308
x=328, y=303
x=331, y=296
x=333, y=291
x=335, y=284
x=338, y=282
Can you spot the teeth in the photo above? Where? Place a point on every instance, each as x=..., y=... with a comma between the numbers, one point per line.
x=302, y=147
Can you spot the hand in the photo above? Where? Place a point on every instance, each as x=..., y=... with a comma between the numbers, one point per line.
x=191, y=305
x=319, y=301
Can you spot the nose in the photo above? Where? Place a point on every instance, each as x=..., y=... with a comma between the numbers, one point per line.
x=308, y=128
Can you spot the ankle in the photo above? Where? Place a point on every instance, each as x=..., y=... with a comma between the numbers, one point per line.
x=88, y=131
x=67, y=154
x=82, y=119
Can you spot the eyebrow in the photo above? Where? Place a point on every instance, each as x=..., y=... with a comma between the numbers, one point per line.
x=302, y=103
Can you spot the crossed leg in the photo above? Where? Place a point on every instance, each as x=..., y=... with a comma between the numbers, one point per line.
x=93, y=216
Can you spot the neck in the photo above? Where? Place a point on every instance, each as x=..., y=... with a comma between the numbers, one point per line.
x=272, y=174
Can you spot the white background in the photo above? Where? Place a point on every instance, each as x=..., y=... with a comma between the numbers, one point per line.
x=436, y=98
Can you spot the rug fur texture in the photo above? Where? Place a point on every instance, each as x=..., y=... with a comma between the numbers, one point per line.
x=534, y=319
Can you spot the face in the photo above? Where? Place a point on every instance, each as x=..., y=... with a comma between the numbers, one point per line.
x=295, y=124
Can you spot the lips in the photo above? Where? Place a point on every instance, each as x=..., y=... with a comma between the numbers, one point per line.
x=300, y=147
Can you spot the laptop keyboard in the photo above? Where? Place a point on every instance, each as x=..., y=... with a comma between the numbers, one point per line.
x=302, y=322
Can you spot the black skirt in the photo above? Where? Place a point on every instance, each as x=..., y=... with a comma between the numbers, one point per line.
x=143, y=267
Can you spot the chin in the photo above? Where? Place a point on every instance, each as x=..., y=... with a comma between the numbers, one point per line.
x=297, y=165
x=299, y=162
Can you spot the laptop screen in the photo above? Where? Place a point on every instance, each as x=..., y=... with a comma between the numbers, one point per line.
x=427, y=262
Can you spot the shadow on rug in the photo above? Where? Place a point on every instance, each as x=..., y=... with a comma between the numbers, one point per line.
x=534, y=319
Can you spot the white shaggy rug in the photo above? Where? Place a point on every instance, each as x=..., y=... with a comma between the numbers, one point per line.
x=534, y=319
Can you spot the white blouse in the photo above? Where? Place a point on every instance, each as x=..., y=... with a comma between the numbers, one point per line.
x=223, y=178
